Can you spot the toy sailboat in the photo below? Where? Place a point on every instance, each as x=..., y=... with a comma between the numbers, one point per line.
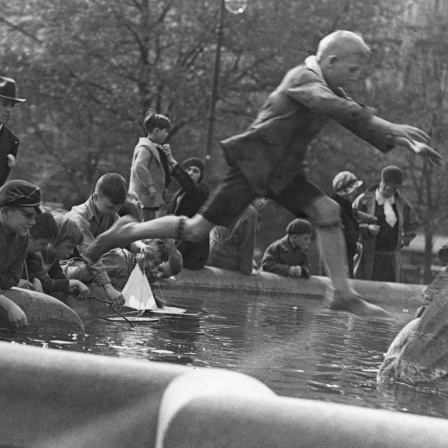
x=139, y=296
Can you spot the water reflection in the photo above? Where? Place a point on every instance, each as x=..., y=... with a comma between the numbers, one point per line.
x=293, y=344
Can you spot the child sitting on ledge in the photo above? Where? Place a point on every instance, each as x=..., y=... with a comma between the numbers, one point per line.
x=289, y=255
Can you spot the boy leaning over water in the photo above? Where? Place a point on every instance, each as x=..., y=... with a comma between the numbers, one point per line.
x=20, y=202
x=95, y=217
x=53, y=238
x=289, y=255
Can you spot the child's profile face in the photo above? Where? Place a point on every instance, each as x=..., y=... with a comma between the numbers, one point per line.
x=302, y=241
x=344, y=70
x=63, y=250
x=17, y=220
x=159, y=135
x=37, y=245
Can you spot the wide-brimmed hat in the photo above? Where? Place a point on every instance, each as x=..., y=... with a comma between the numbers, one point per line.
x=19, y=193
x=8, y=90
x=345, y=183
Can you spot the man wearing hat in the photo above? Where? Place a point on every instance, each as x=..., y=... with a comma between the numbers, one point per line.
x=289, y=255
x=397, y=221
x=9, y=143
x=20, y=201
x=345, y=187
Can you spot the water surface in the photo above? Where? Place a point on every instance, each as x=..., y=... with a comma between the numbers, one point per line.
x=293, y=344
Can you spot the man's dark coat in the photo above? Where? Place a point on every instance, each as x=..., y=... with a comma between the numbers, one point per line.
x=9, y=144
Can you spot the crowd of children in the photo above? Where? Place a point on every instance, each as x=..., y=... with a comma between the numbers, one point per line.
x=267, y=160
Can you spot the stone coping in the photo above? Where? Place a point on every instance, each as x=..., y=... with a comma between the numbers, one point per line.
x=54, y=398
x=216, y=279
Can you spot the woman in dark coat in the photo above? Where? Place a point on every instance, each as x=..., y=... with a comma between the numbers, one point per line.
x=186, y=202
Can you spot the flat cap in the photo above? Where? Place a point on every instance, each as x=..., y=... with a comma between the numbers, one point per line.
x=19, y=193
x=299, y=227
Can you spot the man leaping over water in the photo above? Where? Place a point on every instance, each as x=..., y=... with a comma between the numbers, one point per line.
x=268, y=160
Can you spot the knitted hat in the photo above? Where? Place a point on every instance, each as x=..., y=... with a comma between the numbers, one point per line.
x=19, y=193
x=345, y=183
x=299, y=227
x=392, y=174
x=194, y=161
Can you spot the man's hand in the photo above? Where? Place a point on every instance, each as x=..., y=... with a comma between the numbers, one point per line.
x=116, y=297
x=295, y=271
x=78, y=289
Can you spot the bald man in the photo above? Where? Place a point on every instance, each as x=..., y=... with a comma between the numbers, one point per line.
x=269, y=160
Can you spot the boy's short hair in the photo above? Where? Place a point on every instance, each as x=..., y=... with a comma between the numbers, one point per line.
x=342, y=42
x=299, y=227
x=68, y=229
x=113, y=187
x=45, y=227
x=153, y=120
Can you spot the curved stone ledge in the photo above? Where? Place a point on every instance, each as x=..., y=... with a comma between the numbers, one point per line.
x=266, y=282
x=52, y=398
x=43, y=312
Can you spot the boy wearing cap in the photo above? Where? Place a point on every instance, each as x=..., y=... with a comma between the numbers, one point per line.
x=269, y=160
x=20, y=201
x=9, y=143
x=289, y=255
x=397, y=221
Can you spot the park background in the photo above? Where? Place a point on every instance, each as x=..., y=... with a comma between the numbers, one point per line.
x=90, y=69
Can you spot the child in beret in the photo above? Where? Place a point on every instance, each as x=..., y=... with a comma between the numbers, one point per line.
x=289, y=255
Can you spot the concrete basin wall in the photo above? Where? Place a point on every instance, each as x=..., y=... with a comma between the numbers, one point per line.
x=50, y=398
x=266, y=282
x=43, y=312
